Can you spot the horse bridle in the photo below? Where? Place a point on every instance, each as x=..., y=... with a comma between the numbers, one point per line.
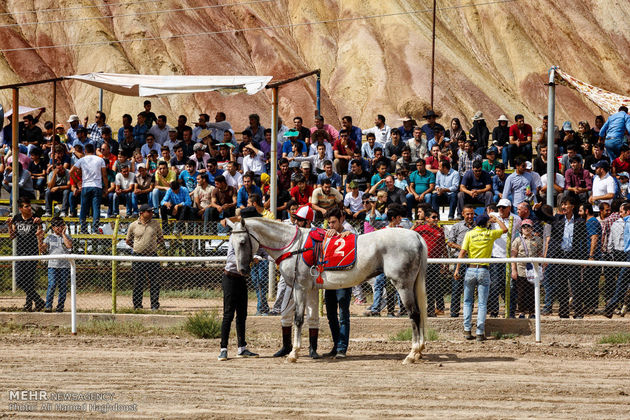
x=260, y=245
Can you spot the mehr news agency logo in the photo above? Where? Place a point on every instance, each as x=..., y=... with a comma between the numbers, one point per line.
x=44, y=401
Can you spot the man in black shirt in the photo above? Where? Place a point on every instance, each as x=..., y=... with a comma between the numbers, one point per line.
x=596, y=157
x=28, y=231
x=359, y=176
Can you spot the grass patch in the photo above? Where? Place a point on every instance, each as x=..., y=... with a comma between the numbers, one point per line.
x=124, y=329
x=498, y=335
x=619, y=338
x=203, y=324
x=405, y=335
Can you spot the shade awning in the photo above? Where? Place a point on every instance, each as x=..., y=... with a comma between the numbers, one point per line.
x=22, y=110
x=153, y=85
x=609, y=102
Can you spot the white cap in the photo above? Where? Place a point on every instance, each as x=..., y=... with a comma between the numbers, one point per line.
x=73, y=118
x=504, y=202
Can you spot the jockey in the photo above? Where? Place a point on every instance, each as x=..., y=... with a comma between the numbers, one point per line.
x=304, y=217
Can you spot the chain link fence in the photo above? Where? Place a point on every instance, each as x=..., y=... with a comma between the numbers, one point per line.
x=184, y=287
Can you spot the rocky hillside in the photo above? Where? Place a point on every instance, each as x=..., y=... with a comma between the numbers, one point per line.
x=490, y=57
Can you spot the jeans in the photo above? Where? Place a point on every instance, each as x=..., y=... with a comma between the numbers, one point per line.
x=234, y=301
x=124, y=198
x=462, y=199
x=450, y=198
x=339, y=327
x=260, y=274
x=623, y=281
x=525, y=150
x=457, y=288
x=505, y=156
x=90, y=197
x=59, y=195
x=39, y=184
x=613, y=147
x=479, y=277
x=142, y=199
x=57, y=277
x=412, y=203
x=156, y=197
x=381, y=283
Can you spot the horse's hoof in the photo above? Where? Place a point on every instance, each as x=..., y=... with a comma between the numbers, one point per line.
x=291, y=358
x=408, y=360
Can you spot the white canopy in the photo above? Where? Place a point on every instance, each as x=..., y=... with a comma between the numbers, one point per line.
x=22, y=110
x=154, y=85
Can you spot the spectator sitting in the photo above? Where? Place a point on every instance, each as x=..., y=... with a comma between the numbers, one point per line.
x=301, y=192
x=188, y=177
x=405, y=159
x=431, y=126
x=446, y=188
x=249, y=187
x=354, y=133
x=479, y=133
x=381, y=130
x=178, y=162
x=393, y=148
x=234, y=178
x=140, y=130
x=368, y=149
x=621, y=164
x=95, y=130
x=490, y=163
x=316, y=160
x=401, y=181
x=124, y=186
x=165, y=154
x=558, y=187
x=466, y=158
x=360, y=176
x=292, y=140
x=520, y=185
x=335, y=178
x=223, y=200
x=421, y=186
x=171, y=140
x=176, y=203
x=128, y=144
x=186, y=142
x=441, y=141
x=325, y=198
x=353, y=202
x=107, y=139
x=333, y=134
x=623, y=184
x=25, y=182
x=309, y=176
x=379, y=177
x=163, y=179
x=566, y=158
x=200, y=157
x=604, y=186
x=498, y=182
x=58, y=190
x=253, y=160
x=597, y=156
x=433, y=160
x=109, y=158
x=143, y=186
x=578, y=181
x=418, y=144
x=37, y=168
x=202, y=197
x=343, y=150
x=501, y=138
x=123, y=160
x=475, y=188
x=540, y=163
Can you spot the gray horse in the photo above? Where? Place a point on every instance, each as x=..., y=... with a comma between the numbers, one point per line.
x=400, y=254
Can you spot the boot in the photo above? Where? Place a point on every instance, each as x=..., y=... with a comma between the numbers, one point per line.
x=286, y=343
x=312, y=339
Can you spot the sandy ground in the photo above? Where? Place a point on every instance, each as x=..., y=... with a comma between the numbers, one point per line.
x=568, y=376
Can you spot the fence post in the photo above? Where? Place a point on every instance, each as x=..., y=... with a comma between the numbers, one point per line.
x=73, y=296
x=508, y=268
x=115, y=264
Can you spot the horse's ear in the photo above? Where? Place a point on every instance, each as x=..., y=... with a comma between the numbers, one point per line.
x=242, y=221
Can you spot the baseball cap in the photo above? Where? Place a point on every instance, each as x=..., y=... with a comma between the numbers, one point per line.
x=141, y=165
x=291, y=133
x=602, y=164
x=73, y=118
x=482, y=220
x=198, y=146
x=504, y=202
x=620, y=174
x=305, y=164
x=172, y=130
x=527, y=222
x=145, y=207
x=492, y=150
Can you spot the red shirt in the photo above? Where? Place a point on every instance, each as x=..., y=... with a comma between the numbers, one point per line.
x=521, y=133
x=435, y=239
x=347, y=150
x=620, y=165
x=301, y=198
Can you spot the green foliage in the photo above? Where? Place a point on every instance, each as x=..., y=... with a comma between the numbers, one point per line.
x=498, y=335
x=619, y=338
x=203, y=325
x=405, y=335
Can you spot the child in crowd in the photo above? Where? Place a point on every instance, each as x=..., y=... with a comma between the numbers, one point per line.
x=152, y=162
x=123, y=160
x=57, y=242
x=401, y=179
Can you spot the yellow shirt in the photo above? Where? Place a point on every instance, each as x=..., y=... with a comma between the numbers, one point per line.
x=478, y=242
x=165, y=182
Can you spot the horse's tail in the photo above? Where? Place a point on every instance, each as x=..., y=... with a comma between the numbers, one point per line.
x=421, y=290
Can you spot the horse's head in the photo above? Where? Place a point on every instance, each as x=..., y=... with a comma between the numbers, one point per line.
x=244, y=246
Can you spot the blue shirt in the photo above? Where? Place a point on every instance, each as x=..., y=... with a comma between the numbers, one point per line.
x=211, y=176
x=335, y=179
x=450, y=181
x=71, y=135
x=287, y=147
x=626, y=234
x=405, y=135
x=516, y=186
x=181, y=197
x=428, y=130
x=567, y=234
x=421, y=182
x=242, y=195
x=139, y=134
x=356, y=135
x=616, y=126
x=593, y=227
x=190, y=180
x=498, y=184
x=376, y=178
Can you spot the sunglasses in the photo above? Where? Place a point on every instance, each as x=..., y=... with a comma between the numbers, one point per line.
x=434, y=217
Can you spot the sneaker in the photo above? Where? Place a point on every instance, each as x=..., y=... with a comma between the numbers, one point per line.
x=330, y=354
x=246, y=353
x=340, y=355
x=531, y=316
x=222, y=356
x=358, y=301
x=62, y=214
x=521, y=316
x=481, y=337
x=48, y=310
x=47, y=214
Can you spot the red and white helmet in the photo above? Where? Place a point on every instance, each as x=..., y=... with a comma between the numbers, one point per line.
x=305, y=212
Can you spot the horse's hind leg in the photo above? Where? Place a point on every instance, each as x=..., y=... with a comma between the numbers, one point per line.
x=408, y=299
x=299, y=296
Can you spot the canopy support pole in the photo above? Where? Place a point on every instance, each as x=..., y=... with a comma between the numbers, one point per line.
x=100, y=100
x=551, y=115
x=273, y=182
x=15, y=157
x=54, y=117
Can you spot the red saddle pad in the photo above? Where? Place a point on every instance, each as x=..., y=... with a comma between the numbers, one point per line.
x=338, y=252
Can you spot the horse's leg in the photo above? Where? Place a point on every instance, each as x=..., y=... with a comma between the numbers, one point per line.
x=299, y=296
x=408, y=298
x=419, y=315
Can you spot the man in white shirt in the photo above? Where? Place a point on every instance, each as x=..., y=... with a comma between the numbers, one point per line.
x=353, y=202
x=380, y=130
x=254, y=160
x=93, y=178
x=604, y=185
x=497, y=271
x=219, y=127
x=201, y=125
x=233, y=177
x=558, y=188
x=160, y=130
x=125, y=183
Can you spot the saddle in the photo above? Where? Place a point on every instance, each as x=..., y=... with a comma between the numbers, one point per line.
x=331, y=254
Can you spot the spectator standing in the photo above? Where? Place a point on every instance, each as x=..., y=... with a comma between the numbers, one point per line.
x=150, y=116
x=520, y=185
x=28, y=231
x=621, y=230
x=144, y=236
x=520, y=140
x=94, y=178
x=257, y=130
x=95, y=130
x=613, y=132
x=57, y=242
x=455, y=239
x=340, y=298
x=478, y=243
x=72, y=131
x=433, y=235
x=527, y=245
x=498, y=182
x=381, y=131
x=354, y=133
x=140, y=130
x=588, y=288
x=611, y=251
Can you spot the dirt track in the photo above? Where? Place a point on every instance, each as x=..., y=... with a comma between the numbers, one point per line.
x=181, y=378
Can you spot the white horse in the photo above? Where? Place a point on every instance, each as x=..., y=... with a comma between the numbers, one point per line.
x=400, y=254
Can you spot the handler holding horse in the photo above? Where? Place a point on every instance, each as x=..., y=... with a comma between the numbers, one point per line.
x=398, y=253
